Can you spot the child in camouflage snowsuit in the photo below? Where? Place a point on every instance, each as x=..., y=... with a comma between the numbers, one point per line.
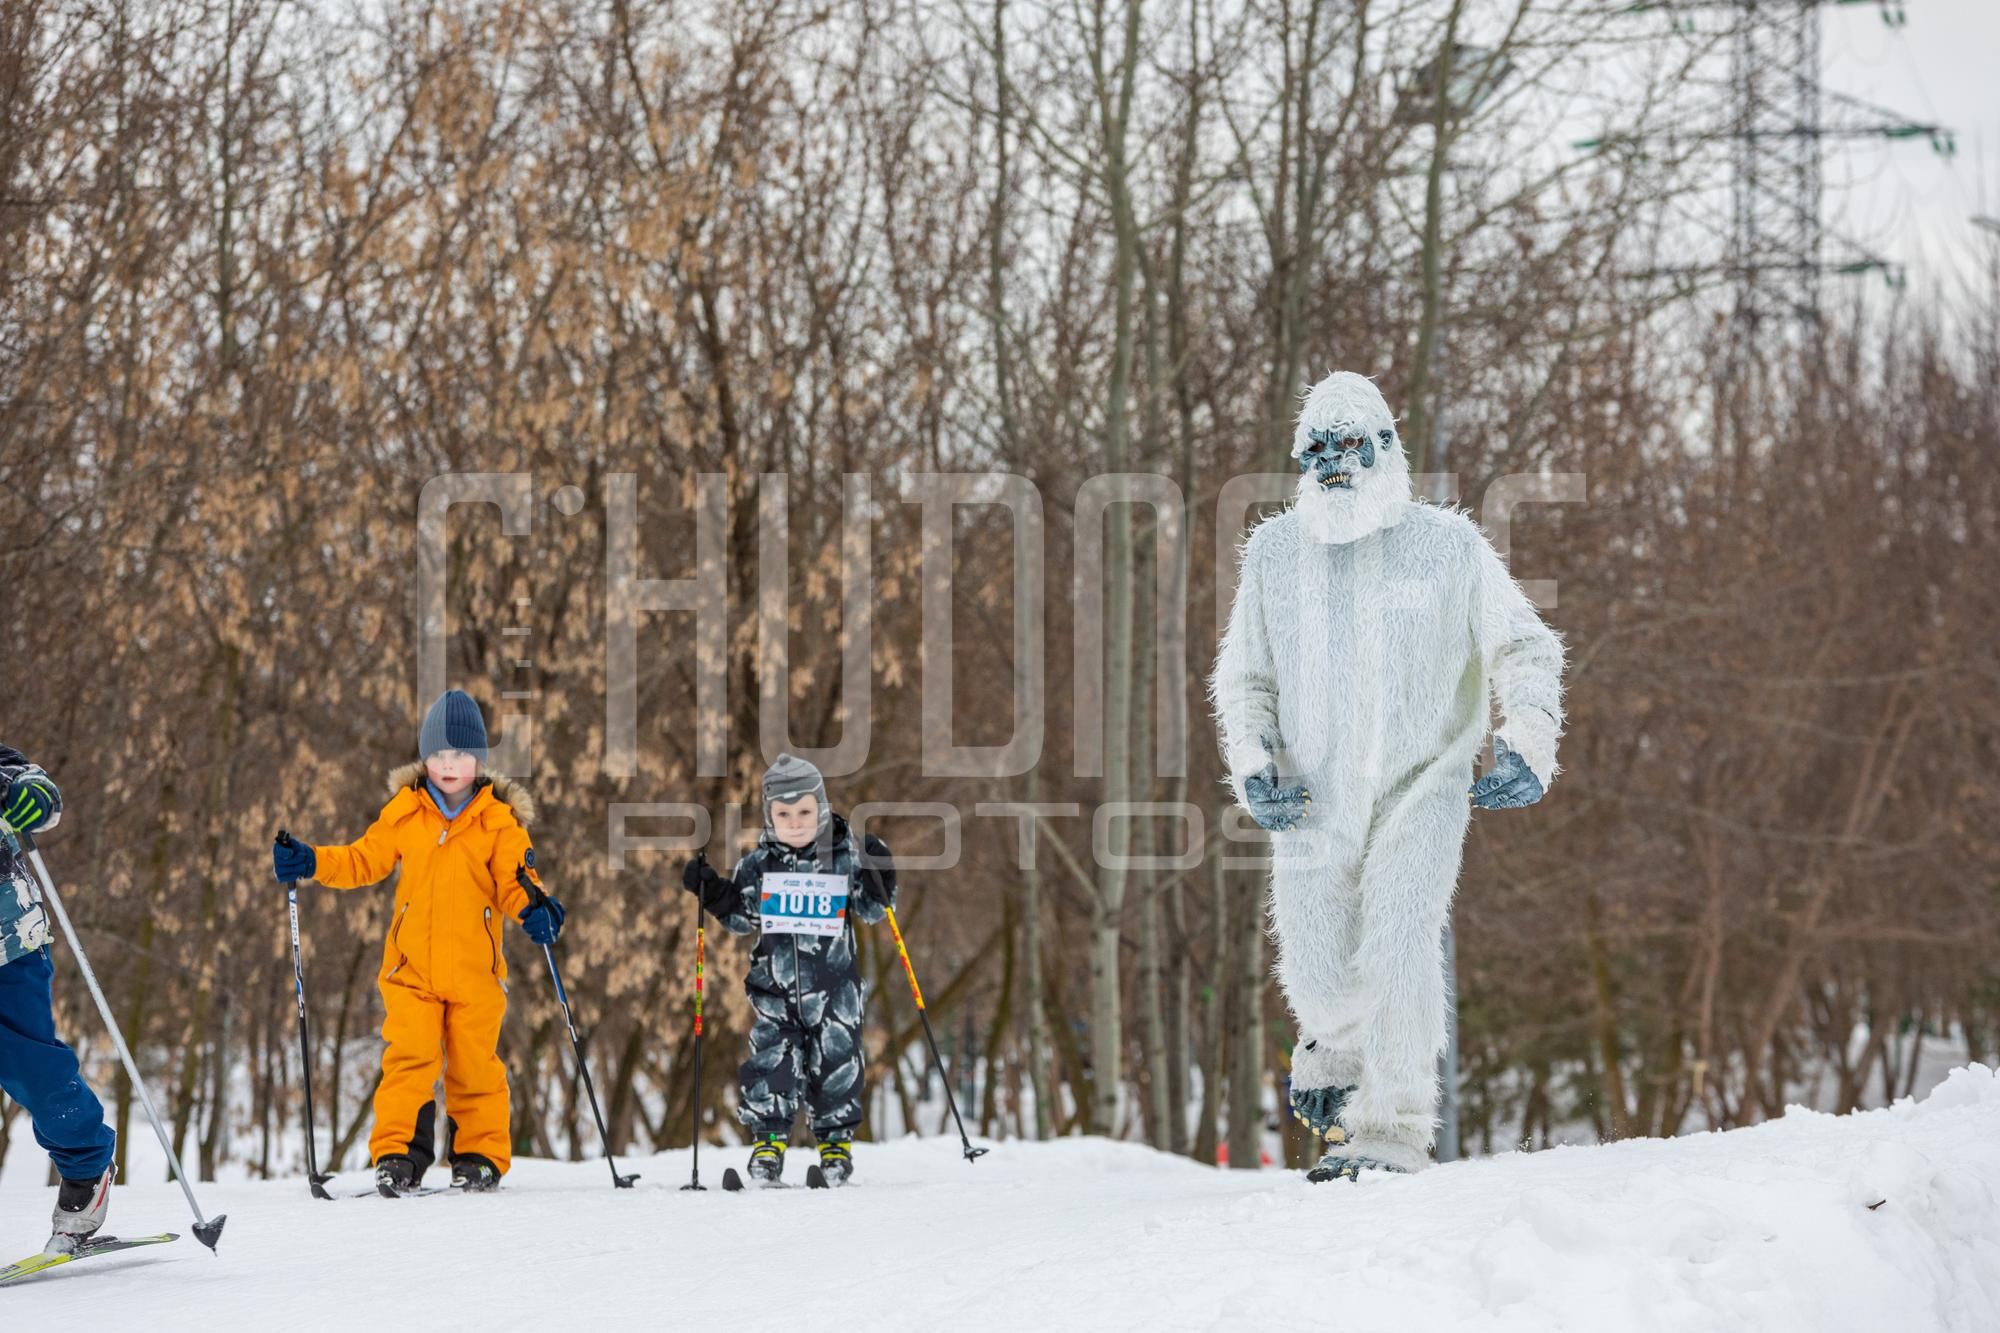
x=805, y=1045
x=36, y=1068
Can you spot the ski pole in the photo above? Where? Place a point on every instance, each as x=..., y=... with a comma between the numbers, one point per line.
x=937, y=1061
x=19, y=841
x=694, y=1115
x=313, y=1176
x=537, y=898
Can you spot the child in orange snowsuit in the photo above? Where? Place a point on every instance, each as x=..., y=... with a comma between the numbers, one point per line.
x=462, y=842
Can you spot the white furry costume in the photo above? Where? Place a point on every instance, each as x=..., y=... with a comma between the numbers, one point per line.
x=1367, y=634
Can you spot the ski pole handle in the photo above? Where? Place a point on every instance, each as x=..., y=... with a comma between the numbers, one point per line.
x=534, y=891
x=285, y=839
x=298, y=955
x=903, y=952
x=700, y=961
x=19, y=841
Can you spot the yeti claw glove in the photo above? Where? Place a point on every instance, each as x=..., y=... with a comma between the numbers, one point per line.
x=1509, y=784
x=31, y=801
x=292, y=859
x=543, y=919
x=1278, y=809
x=1318, y=1109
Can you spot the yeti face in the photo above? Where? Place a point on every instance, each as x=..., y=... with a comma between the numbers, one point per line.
x=1354, y=479
x=1334, y=458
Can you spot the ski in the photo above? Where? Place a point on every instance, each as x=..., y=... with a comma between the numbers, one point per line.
x=816, y=1178
x=90, y=1249
x=733, y=1183
x=377, y=1192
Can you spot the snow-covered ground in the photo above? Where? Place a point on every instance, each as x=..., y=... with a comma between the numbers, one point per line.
x=1765, y=1229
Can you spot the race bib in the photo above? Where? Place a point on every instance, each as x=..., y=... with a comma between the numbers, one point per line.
x=795, y=904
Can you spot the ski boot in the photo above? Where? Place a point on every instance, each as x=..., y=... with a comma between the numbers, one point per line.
x=1318, y=1109
x=1341, y=1164
x=474, y=1174
x=80, y=1209
x=767, y=1159
x=836, y=1160
x=395, y=1176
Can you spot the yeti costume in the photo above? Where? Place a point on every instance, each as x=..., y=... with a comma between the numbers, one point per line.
x=1368, y=634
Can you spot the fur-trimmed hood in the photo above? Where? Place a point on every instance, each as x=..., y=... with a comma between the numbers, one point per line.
x=514, y=795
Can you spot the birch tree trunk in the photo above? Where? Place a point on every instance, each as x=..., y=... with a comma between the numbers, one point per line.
x=1114, y=92
x=1244, y=910
x=1215, y=1028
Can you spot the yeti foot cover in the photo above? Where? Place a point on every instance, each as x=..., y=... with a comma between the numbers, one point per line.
x=89, y=1249
x=1336, y=1166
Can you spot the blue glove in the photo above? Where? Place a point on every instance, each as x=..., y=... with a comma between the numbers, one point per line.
x=1509, y=784
x=1278, y=809
x=543, y=919
x=292, y=859
x=31, y=800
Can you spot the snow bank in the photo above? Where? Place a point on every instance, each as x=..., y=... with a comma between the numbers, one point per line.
x=1882, y=1220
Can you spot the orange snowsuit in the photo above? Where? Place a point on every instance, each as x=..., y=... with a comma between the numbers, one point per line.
x=443, y=977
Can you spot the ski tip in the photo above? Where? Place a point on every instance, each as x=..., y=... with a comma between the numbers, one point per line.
x=208, y=1233
x=815, y=1178
x=731, y=1181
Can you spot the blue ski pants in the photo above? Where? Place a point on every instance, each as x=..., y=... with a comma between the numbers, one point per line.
x=40, y=1072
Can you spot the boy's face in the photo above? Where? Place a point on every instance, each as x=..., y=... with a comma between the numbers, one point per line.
x=795, y=822
x=452, y=770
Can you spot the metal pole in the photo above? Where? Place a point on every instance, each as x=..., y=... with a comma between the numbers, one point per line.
x=205, y=1231
x=972, y=1154
x=313, y=1177
x=536, y=896
x=694, y=1103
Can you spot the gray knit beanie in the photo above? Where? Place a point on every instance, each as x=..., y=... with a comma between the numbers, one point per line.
x=792, y=779
x=454, y=723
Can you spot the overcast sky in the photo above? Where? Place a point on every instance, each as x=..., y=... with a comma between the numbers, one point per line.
x=1901, y=199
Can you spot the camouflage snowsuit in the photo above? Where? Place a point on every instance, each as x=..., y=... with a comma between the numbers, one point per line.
x=805, y=1045
x=24, y=922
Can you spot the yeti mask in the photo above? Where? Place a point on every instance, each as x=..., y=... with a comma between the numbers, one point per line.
x=1353, y=478
x=1335, y=455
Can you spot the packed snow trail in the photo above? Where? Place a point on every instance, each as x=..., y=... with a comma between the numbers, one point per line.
x=1766, y=1229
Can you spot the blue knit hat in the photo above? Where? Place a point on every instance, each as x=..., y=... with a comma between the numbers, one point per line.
x=454, y=723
